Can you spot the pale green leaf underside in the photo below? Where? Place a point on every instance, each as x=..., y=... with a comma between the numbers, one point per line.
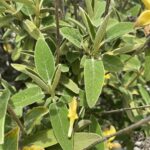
x=44, y=61
x=94, y=79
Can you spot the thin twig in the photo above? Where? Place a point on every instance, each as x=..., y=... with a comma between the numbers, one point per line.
x=125, y=130
x=75, y=9
x=136, y=77
x=125, y=109
x=108, y=2
x=57, y=31
x=16, y=119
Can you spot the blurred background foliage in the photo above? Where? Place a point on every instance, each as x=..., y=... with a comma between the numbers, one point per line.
x=90, y=29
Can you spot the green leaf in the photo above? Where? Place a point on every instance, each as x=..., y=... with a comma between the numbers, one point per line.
x=118, y=30
x=8, y=86
x=77, y=23
x=56, y=77
x=99, y=8
x=43, y=138
x=85, y=140
x=33, y=117
x=44, y=61
x=88, y=24
x=134, y=11
x=11, y=140
x=93, y=79
x=125, y=49
x=89, y=8
x=24, y=69
x=100, y=34
x=72, y=35
x=147, y=63
x=27, y=2
x=60, y=124
x=145, y=95
x=27, y=97
x=95, y=127
x=32, y=30
x=3, y=109
x=6, y=20
x=82, y=124
x=69, y=84
x=133, y=62
x=112, y=63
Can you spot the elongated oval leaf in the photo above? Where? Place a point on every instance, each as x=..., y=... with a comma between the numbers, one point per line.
x=89, y=8
x=72, y=35
x=27, y=97
x=85, y=140
x=69, y=84
x=118, y=30
x=60, y=124
x=88, y=24
x=100, y=34
x=3, y=108
x=93, y=79
x=95, y=128
x=56, y=77
x=24, y=69
x=44, y=60
x=99, y=8
x=31, y=28
x=145, y=95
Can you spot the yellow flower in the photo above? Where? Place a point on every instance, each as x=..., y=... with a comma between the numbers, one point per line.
x=144, y=18
x=72, y=114
x=109, y=143
x=107, y=76
x=33, y=147
x=146, y=3
x=109, y=131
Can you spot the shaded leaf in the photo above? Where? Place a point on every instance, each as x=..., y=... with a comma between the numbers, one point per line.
x=33, y=116
x=5, y=20
x=43, y=138
x=145, y=95
x=95, y=128
x=147, y=63
x=11, y=140
x=112, y=63
x=88, y=24
x=3, y=109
